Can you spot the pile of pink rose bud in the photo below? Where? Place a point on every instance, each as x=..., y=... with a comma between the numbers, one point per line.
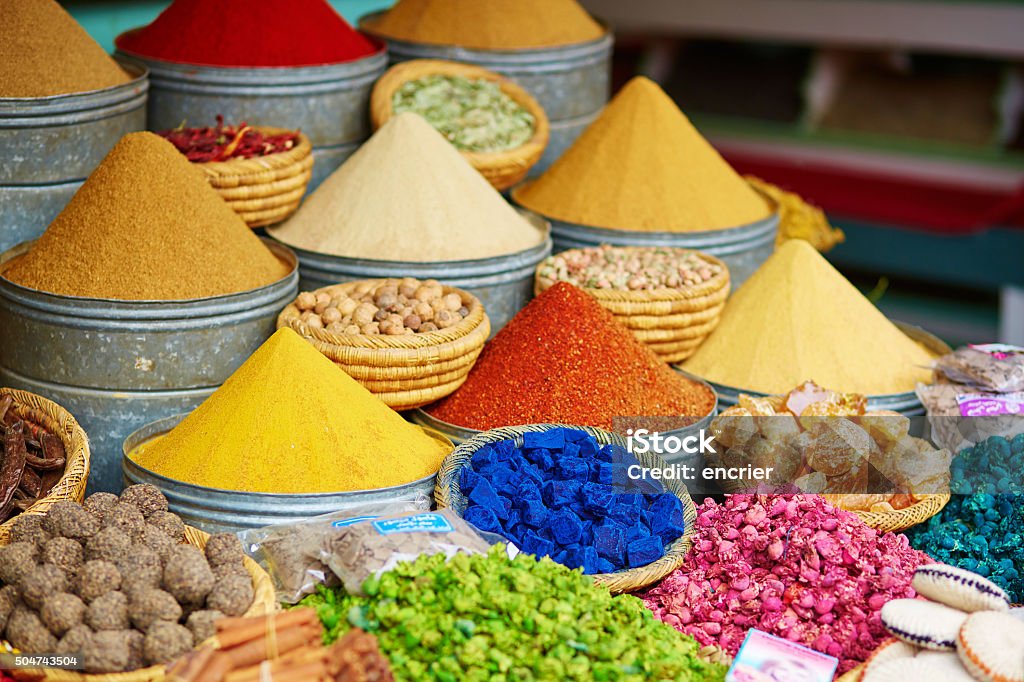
x=791, y=565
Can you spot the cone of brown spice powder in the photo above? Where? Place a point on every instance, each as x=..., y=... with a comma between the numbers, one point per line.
x=146, y=226
x=44, y=52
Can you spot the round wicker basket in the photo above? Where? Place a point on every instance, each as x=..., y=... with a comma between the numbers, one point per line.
x=902, y=519
x=264, y=601
x=673, y=322
x=264, y=190
x=448, y=494
x=49, y=415
x=502, y=169
x=405, y=371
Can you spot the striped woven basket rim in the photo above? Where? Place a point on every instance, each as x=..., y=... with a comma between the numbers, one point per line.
x=260, y=169
x=476, y=317
x=448, y=494
x=264, y=601
x=902, y=519
x=707, y=289
x=58, y=421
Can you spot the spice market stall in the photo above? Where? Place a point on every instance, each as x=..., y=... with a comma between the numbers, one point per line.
x=427, y=464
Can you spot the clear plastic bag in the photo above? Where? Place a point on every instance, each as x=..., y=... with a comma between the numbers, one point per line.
x=371, y=547
x=988, y=367
x=292, y=553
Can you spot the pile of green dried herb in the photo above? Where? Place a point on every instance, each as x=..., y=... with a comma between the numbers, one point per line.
x=473, y=114
x=485, y=617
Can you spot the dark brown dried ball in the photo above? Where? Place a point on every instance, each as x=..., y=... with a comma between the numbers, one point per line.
x=17, y=560
x=135, y=583
x=170, y=524
x=232, y=595
x=75, y=640
x=136, y=652
x=10, y=599
x=61, y=612
x=96, y=578
x=224, y=548
x=165, y=642
x=202, y=624
x=29, y=528
x=70, y=520
x=110, y=544
x=146, y=497
x=187, y=576
x=150, y=606
x=157, y=540
x=106, y=652
x=108, y=612
x=65, y=553
x=140, y=565
x=98, y=504
x=26, y=632
x=128, y=519
x=45, y=580
x=224, y=570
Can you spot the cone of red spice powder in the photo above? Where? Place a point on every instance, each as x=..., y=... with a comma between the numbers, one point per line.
x=565, y=359
x=249, y=33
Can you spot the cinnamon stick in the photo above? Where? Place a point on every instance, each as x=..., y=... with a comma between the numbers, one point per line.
x=303, y=657
x=217, y=667
x=255, y=651
x=282, y=619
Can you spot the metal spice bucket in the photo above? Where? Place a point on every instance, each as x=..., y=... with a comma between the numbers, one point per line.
x=328, y=103
x=571, y=82
x=907, y=403
x=50, y=145
x=117, y=365
x=743, y=249
x=215, y=510
x=504, y=284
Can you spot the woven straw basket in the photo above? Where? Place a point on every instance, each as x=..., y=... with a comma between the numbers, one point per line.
x=58, y=421
x=673, y=322
x=405, y=371
x=502, y=169
x=264, y=601
x=902, y=519
x=264, y=190
x=448, y=494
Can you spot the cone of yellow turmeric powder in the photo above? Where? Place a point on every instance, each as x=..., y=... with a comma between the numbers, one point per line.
x=798, y=319
x=642, y=166
x=290, y=421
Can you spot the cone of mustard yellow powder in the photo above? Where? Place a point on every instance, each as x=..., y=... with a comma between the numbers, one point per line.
x=408, y=195
x=643, y=166
x=797, y=319
x=290, y=421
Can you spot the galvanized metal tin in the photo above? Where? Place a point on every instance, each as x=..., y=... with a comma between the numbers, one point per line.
x=907, y=403
x=329, y=103
x=49, y=145
x=214, y=510
x=743, y=249
x=117, y=365
x=504, y=284
x=571, y=82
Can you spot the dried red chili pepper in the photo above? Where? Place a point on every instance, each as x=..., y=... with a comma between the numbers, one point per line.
x=223, y=142
x=13, y=467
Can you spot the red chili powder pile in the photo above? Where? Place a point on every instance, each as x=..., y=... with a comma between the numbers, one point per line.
x=563, y=358
x=249, y=33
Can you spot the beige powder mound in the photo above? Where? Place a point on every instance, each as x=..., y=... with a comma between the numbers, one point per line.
x=798, y=319
x=408, y=195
